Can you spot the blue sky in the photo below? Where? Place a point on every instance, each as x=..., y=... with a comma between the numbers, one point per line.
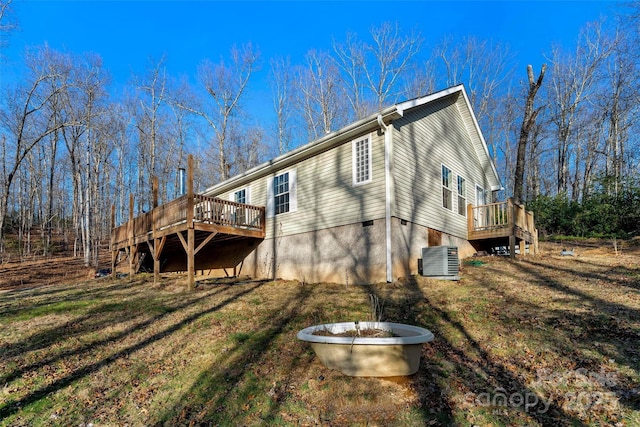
x=127, y=33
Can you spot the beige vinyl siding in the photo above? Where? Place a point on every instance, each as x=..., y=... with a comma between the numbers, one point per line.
x=326, y=196
x=484, y=161
x=423, y=140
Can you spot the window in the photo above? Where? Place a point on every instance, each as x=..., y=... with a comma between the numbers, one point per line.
x=282, y=193
x=240, y=196
x=361, y=150
x=447, y=194
x=462, y=196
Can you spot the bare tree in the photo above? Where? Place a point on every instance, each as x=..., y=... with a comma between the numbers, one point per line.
x=373, y=73
x=281, y=80
x=224, y=84
x=122, y=163
x=351, y=58
x=152, y=118
x=85, y=105
x=6, y=23
x=574, y=78
x=618, y=104
x=319, y=101
x=481, y=65
x=392, y=55
x=528, y=121
x=421, y=80
x=29, y=118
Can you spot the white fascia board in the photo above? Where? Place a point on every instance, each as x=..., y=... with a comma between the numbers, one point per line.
x=319, y=145
x=429, y=98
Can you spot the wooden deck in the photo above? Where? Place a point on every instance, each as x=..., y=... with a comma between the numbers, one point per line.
x=209, y=214
x=189, y=225
x=505, y=223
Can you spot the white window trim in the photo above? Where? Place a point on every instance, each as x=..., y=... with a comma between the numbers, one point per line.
x=486, y=201
x=464, y=196
x=449, y=188
x=354, y=160
x=293, y=193
x=247, y=195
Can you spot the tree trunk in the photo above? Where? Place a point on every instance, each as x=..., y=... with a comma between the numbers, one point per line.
x=528, y=121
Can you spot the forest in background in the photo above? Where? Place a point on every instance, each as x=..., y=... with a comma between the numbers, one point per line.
x=71, y=149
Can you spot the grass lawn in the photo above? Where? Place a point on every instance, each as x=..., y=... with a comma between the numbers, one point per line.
x=544, y=340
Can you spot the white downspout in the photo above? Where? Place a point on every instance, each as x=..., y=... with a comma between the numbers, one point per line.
x=388, y=185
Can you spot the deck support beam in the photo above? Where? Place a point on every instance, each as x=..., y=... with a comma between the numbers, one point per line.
x=512, y=246
x=155, y=251
x=191, y=265
x=155, y=248
x=130, y=233
x=204, y=243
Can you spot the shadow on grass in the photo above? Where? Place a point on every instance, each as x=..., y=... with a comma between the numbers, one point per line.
x=464, y=363
x=57, y=294
x=109, y=314
x=233, y=388
x=630, y=279
x=14, y=405
x=600, y=327
x=96, y=317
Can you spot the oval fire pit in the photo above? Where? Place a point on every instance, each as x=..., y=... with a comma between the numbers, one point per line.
x=397, y=354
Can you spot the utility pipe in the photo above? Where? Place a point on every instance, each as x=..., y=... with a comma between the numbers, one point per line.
x=388, y=185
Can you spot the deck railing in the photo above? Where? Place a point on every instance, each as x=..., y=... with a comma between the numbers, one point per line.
x=498, y=216
x=212, y=210
x=207, y=210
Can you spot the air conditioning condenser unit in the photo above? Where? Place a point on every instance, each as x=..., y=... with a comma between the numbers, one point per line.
x=440, y=262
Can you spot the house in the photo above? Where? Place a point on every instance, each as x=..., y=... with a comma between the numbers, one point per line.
x=354, y=206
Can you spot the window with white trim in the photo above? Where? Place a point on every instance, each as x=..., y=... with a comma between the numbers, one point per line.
x=447, y=184
x=240, y=196
x=282, y=193
x=462, y=196
x=361, y=153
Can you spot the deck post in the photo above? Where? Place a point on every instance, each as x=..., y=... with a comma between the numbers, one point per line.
x=512, y=246
x=512, y=226
x=114, y=252
x=156, y=241
x=130, y=231
x=190, y=230
x=469, y=220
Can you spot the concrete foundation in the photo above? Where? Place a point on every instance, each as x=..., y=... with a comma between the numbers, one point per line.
x=351, y=254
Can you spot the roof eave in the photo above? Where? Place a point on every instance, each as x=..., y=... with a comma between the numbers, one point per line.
x=417, y=102
x=319, y=145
